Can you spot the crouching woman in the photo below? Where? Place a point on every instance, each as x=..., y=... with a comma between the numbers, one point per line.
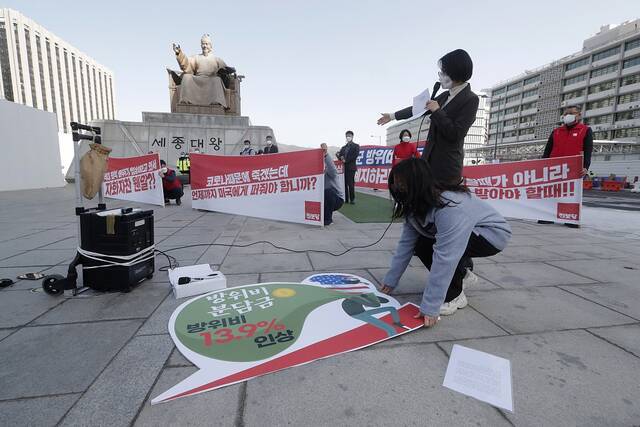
x=445, y=227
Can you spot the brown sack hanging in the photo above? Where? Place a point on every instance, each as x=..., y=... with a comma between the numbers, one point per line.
x=93, y=166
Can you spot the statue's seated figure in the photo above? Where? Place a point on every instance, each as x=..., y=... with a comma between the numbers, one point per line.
x=205, y=85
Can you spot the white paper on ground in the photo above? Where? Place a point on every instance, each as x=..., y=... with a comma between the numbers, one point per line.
x=480, y=375
x=420, y=103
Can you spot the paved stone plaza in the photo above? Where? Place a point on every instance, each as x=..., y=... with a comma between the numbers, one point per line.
x=562, y=304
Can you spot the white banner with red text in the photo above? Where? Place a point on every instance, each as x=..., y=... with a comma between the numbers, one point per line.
x=544, y=189
x=284, y=187
x=135, y=179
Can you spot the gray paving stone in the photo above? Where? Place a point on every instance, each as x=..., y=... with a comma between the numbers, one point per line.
x=414, y=280
x=358, y=259
x=5, y=333
x=139, y=303
x=117, y=394
x=586, y=252
x=61, y=359
x=41, y=411
x=629, y=248
x=624, y=336
x=158, y=322
x=567, y=378
x=218, y=407
x=527, y=253
x=39, y=258
x=621, y=297
x=526, y=240
x=178, y=360
x=381, y=386
x=18, y=308
x=542, y=309
x=611, y=271
x=385, y=244
x=213, y=255
x=517, y=275
x=266, y=263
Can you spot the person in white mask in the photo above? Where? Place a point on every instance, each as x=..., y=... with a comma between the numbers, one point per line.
x=270, y=147
x=571, y=138
x=247, y=150
x=405, y=149
x=452, y=113
x=348, y=155
x=171, y=185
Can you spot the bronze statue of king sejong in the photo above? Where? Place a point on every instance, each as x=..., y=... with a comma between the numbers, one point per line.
x=206, y=85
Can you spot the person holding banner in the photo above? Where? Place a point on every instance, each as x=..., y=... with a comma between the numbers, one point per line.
x=171, y=185
x=404, y=149
x=247, y=150
x=452, y=114
x=444, y=225
x=333, y=194
x=572, y=138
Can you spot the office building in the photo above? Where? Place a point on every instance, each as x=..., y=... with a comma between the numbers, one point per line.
x=40, y=70
x=603, y=78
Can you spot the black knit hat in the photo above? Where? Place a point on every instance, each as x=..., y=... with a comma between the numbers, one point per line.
x=457, y=65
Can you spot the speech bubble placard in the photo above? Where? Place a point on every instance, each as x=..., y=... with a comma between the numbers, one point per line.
x=235, y=334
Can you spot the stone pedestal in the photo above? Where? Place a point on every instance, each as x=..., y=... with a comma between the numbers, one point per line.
x=170, y=134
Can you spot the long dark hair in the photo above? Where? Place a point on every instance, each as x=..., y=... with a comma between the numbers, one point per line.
x=416, y=191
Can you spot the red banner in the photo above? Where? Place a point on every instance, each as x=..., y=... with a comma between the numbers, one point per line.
x=544, y=189
x=134, y=178
x=286, y=186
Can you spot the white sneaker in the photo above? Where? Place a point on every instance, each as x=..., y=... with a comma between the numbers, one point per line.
x=469, y=279
x=450, y=307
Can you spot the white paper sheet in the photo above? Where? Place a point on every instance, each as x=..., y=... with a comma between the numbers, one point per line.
x=480, y=375
x=419, y=103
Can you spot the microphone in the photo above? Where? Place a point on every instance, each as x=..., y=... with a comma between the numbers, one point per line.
x=436, y=88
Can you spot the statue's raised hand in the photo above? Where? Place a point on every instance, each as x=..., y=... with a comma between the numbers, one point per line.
x=176, y=48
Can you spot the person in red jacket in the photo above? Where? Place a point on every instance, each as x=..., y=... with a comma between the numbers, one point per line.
x=571, y=139
x=171, y=185
x=404, y=149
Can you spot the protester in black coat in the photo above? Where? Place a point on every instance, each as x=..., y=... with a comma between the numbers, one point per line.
x=348, y=155
x=270, y=147
x=452, y=114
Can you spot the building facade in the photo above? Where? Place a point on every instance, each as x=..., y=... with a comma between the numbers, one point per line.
x=40, y=70
x=476, y=137
x=603, y=79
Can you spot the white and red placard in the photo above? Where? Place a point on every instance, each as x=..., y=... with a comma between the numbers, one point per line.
x=233, y=335
x=544, y=189
x=285, y=186
x=135, y=179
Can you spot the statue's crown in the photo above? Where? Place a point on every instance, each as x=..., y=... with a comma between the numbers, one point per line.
x=206, y=38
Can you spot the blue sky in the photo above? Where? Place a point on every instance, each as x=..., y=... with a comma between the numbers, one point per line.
x=317, y=68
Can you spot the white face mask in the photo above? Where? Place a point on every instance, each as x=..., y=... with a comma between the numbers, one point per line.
x=164, y=170
x=445, y=80
x=569, y=119
x=269, y=142
x=406, y=138
x=349, y=138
